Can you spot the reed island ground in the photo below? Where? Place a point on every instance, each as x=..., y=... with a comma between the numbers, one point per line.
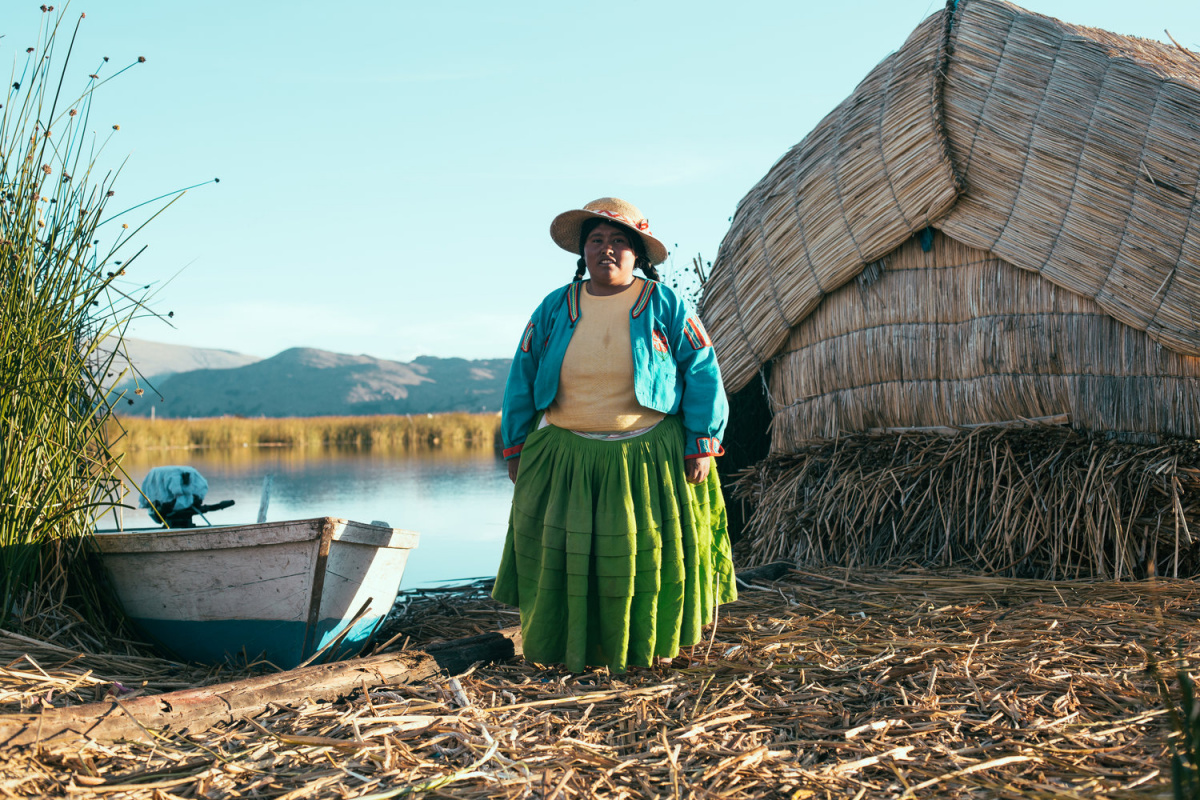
x=823, y=684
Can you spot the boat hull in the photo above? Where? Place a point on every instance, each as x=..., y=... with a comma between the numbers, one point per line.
x=279, y=591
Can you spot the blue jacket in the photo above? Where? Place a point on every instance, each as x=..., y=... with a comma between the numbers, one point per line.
x=674, y=367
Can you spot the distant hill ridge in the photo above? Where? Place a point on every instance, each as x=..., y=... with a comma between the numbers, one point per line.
x=157, y=360
x=306, y=382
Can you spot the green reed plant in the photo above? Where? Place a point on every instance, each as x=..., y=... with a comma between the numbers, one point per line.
x=60, y=298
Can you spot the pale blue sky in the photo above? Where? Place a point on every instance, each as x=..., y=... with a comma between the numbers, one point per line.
x=389, y=170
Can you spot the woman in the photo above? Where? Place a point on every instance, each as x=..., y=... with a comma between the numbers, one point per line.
x=617, y=551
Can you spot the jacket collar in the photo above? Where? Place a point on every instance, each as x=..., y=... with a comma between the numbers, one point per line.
x=643, y=299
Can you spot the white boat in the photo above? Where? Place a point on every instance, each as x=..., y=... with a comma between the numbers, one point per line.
x=282, y=591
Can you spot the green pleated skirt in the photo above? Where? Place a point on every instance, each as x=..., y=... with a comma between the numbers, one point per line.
x=611, y=555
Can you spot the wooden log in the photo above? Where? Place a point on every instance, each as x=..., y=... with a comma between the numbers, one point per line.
x=198, y=709
x=457, y=655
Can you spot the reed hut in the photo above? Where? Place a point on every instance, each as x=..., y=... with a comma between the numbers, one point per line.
x=970, y=299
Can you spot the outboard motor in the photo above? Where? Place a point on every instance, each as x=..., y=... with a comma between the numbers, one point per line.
x=174, y=495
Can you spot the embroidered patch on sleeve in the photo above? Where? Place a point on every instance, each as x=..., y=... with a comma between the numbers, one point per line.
x=707, y=445
x=660, y=342
x=527, y=339
x=695, y=333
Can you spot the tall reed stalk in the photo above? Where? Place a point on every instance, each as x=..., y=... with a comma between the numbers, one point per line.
x=60, y=297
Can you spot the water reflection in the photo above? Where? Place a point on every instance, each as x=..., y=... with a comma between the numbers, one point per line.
x=456, y=499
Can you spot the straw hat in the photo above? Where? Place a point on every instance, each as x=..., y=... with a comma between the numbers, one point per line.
x=566, y=226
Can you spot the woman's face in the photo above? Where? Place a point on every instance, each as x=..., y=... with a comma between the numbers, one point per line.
x=610, y=257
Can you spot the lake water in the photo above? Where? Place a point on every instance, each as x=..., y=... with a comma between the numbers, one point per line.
x=457, y=500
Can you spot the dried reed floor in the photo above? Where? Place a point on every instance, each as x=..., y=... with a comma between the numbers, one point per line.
x=875, y=684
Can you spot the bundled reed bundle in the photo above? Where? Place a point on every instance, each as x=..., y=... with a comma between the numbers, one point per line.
x=1040, y=502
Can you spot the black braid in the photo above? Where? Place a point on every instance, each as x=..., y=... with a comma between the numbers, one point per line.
x=649, y=271
x=581, y=269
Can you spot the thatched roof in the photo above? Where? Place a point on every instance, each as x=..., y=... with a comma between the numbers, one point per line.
x=1067, y=151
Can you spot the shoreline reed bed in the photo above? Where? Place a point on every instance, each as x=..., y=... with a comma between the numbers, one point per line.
x=383, y=432
x=825, y=684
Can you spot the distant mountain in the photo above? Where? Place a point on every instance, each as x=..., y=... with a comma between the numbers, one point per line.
x=155, y=360
x=303, y=382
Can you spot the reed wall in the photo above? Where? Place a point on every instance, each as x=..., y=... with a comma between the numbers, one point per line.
x=957, y=337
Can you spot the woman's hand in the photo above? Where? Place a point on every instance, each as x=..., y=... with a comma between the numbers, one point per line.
x=513, y=464
x=695, y=469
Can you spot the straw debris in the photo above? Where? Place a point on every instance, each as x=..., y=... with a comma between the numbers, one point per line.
x=824, y=684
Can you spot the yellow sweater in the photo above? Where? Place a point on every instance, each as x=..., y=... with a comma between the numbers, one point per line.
x=595, y=386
